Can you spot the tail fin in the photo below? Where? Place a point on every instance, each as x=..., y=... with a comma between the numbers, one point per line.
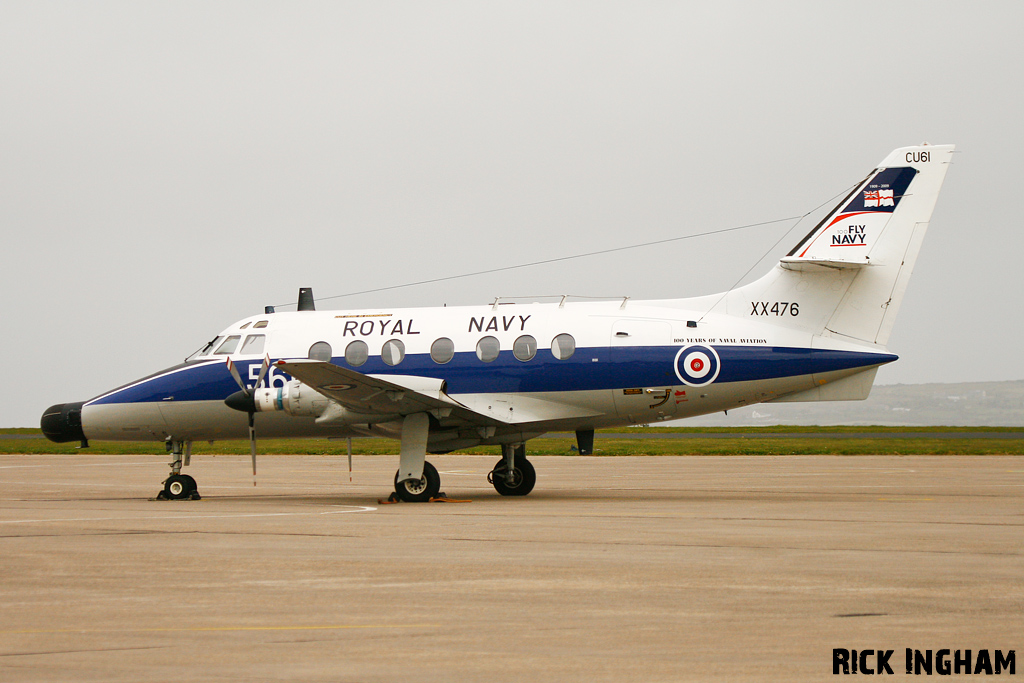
x=848, y=275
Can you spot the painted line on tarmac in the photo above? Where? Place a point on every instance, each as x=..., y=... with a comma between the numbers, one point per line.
x=77, y=465
x=356, y=508
x=201, y=629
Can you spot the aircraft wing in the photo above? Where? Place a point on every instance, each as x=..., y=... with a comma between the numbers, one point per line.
x=408, y=394
x=399, y=394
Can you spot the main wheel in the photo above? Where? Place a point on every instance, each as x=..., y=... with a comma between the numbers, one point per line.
x=524, y=478
x=179, y=486
x=419, y=490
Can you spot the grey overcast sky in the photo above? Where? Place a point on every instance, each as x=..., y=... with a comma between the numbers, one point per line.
x=169, y=167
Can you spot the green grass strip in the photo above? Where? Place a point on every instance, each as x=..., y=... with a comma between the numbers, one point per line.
x=561, y=446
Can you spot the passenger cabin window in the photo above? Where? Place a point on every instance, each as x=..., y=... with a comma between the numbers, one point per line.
x=229, y=345
x=487, y=349
x=563, y=346
x=393, y=351
x=321, y=351
x=442, y=350
x=356, y=353
x=254, y=344
x=262, y=323
x=525, y=348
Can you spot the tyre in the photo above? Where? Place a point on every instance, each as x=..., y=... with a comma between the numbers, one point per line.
x=420, y=490
x=179, y=486
x=524, y=478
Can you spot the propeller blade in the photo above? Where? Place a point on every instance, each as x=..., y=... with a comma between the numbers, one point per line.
x=350, y=459
x=263, y=371
x=252, y=444
x=234, y=373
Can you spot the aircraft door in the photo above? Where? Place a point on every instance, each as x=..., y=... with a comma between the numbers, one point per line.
x=645, y=376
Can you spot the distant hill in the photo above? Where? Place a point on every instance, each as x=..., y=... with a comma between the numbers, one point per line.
x=968, y=404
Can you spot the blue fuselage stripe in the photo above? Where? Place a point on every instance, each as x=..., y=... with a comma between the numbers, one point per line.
x=589, y=369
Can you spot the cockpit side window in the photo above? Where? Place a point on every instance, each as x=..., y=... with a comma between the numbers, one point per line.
x=253, y=344
x=262, y=323
x=205, y=349
x=228, y=346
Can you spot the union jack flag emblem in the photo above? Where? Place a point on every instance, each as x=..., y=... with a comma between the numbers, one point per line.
x=878, y=198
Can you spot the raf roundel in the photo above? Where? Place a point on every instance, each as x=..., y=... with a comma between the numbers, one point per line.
x=697, y=365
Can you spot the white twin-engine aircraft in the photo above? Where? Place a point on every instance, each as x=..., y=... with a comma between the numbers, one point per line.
x=442, y=379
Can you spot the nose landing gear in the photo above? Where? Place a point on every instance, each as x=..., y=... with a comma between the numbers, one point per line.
x=179, y=486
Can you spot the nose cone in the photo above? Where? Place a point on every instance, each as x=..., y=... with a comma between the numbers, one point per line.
x=63, y=422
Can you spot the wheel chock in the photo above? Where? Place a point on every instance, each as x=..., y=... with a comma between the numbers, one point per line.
x=163, y=496
x=439, y=498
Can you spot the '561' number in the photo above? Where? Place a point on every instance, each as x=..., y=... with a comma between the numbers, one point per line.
x=776, y=308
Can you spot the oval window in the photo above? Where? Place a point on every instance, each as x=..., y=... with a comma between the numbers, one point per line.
x=487, y=349
x=356, y=353
x=525, y=348
x=563, y=346
x=321, y=351
x=442, y=350
x=393, y=351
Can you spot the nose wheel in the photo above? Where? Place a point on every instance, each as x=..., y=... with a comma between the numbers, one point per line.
x=180, y=487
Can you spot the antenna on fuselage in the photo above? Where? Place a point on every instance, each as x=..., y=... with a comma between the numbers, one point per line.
x=306, y=299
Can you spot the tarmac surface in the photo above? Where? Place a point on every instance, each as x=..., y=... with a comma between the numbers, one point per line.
x=613, y=569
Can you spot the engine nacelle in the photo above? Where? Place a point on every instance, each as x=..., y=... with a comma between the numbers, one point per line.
x=294, y=398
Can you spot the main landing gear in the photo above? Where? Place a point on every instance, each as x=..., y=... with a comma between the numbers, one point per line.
x=179, y=486
x=513, y=475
